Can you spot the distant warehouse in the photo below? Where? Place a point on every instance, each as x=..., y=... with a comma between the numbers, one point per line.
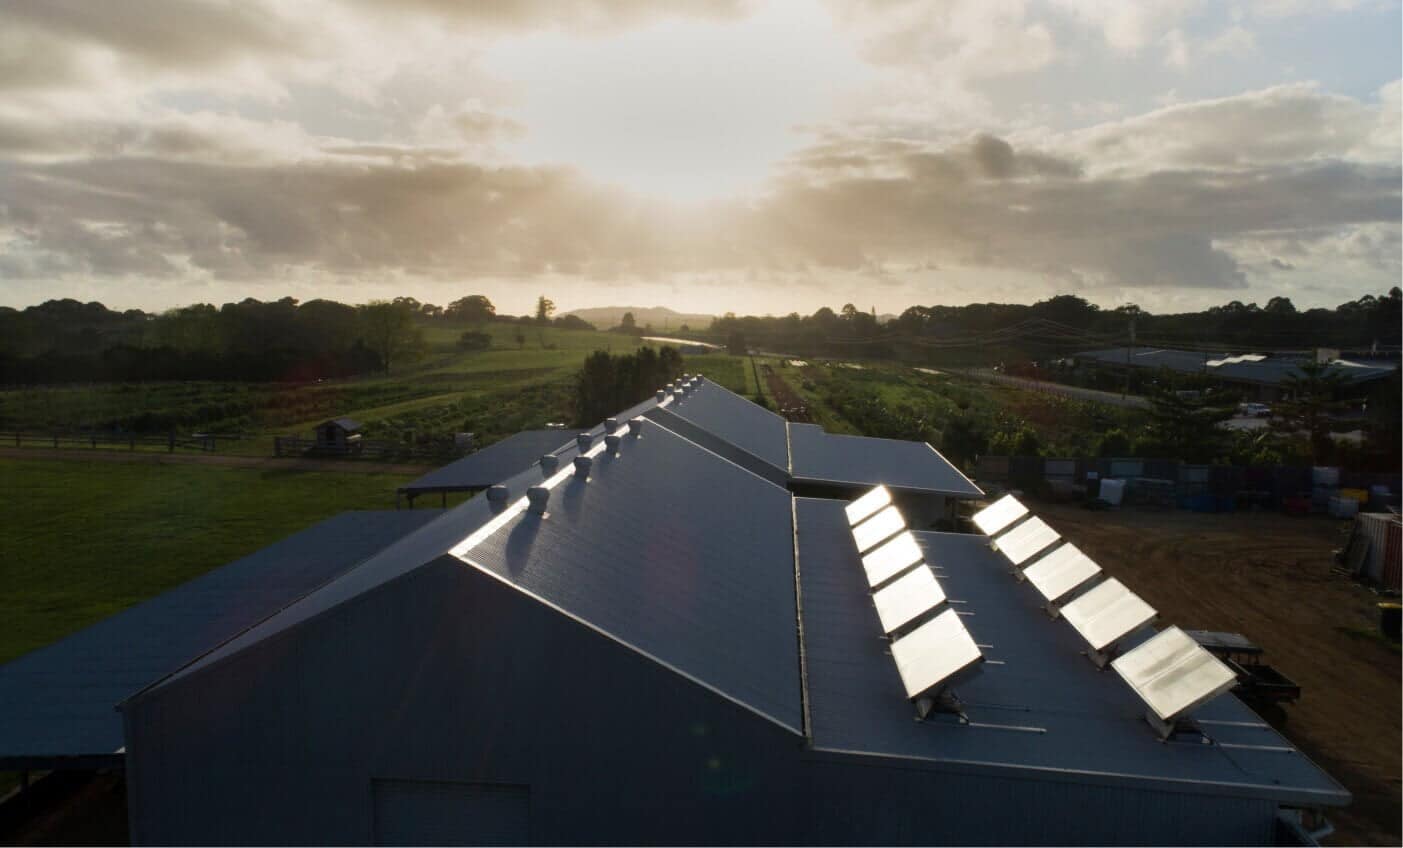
x=1258, y=376
x=694, y=623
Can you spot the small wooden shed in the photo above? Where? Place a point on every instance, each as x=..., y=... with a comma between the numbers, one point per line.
x=338, y=434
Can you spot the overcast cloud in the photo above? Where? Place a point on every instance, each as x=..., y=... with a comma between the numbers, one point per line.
x=741, y=156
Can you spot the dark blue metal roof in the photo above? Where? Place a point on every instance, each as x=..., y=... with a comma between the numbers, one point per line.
x=1038, y=706
x=718, y=446
x=747, y=425
x=1272, y=370
x=494, y=463
x=680, y=555
x=819, y=457
x=58, y=703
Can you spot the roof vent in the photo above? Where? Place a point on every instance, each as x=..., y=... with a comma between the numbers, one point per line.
x=635, y=425
x=583, y=441
x=582, y=464
x=549, y=462
x=537, y=497
x=611, y=442
x=659, y=395
x=497, y=494
x=611, y=424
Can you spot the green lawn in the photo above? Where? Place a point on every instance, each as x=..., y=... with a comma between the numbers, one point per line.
x=83, y=539
x=511, y=386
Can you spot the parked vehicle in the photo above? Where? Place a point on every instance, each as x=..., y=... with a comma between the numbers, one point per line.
x=1254, y=410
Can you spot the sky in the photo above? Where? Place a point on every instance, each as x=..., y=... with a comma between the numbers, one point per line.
x=707, y=155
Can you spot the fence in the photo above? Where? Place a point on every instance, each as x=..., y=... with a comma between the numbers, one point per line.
x=131, y=441
x=363, y=449
x=1204, y=488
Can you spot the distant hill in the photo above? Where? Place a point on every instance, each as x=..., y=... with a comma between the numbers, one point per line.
x=662, y=318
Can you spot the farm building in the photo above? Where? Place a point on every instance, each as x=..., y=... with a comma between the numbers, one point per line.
x=490, y=465
x=1258, y=377
x=692, y=624
x=338, y=434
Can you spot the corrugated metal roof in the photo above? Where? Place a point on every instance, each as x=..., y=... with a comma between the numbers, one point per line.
x=59, y=701
x=859, y=460
x=746, y=425
x=682, y=556
x=1270, y=370
x=494, y=463
x=708, y=543
x=347, y=424
x=1037, y=705
x=414, y=550
x=718, y=446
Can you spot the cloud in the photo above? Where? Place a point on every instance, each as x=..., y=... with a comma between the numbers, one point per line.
x=1289, y=123
x=376, y=141
x=588, y=14
x=848, y=206
x=969, y=38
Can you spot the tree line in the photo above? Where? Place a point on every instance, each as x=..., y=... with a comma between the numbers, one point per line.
x=982, y=333
x=65, y=341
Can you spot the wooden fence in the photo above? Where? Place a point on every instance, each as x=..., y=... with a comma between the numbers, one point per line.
x=207, y=442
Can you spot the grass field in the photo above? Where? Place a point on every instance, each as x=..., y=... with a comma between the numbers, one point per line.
x=86, y=539
x=523, y=381
x=1064, y=426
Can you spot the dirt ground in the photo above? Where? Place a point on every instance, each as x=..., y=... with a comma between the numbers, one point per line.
x=787, y=401
x=1267, y=576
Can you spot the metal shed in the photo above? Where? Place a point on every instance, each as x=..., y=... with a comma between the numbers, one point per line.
x=650, y=642
x=58, y=703
x=338, y=434
x=490, y=465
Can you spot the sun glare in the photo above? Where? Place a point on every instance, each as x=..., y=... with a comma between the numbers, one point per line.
x=685, y=110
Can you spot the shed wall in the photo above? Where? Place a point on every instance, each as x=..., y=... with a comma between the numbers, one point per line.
x=448, y=675
x=885, y=803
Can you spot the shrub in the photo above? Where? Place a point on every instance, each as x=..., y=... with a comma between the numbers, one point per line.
x=474, y=341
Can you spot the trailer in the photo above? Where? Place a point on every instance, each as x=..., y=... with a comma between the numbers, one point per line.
x=1256, y=681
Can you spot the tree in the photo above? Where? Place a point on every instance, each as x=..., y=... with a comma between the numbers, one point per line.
x=545, y=308
x=1310, y=405
x=390, y=332
x=1114, y=442
x=1189, y=429
x=606, y=383
x=1281, y=306
x=573, y=322
x=1022, y=441
x=473, y=309
x=627, y=323
x=963, y=439
x=472, y=340
x=735, y=344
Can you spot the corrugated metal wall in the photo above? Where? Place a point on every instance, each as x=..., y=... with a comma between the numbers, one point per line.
x=448, y=675
x=873, y=803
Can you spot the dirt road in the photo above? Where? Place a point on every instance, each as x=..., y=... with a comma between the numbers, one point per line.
x=225, y=460
x=1268, y=576
x=787, y=401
